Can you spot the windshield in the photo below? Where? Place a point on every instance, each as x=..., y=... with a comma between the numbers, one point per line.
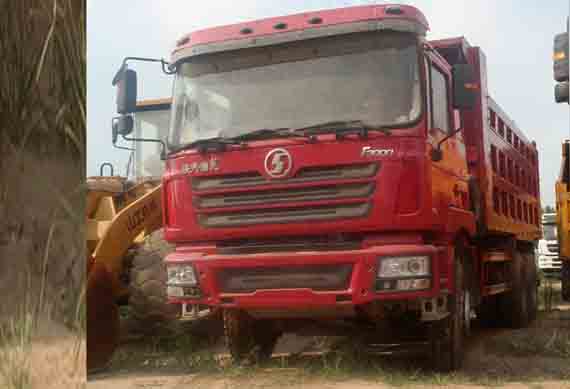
x=371, y=77
x=549, y=231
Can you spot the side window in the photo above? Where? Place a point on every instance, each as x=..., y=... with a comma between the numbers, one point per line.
x=439, y=98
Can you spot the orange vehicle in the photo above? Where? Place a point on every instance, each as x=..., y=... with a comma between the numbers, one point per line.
x=563, y=220
x=337, y=169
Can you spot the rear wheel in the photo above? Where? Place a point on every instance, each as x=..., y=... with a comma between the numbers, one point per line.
x=515, y=302
x=532, y=286
x=448, y=344
x=487, y=312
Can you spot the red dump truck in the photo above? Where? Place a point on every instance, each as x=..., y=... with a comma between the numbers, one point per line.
x=336, y=170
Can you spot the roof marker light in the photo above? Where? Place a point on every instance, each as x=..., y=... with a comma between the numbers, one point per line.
x=394, y=10
x=315, y=20
x=182, y=41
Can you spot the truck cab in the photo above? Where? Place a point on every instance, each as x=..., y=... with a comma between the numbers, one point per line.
x=337, y=166
x=548, y=256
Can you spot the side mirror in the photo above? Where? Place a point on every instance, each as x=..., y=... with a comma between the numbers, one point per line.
x=126, y=82
x=122, y=125
x=464, y=87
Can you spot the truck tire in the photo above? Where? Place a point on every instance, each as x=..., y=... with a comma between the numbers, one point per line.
x=449, y=348
x=565, y=280
x=248, y=339
x=532, y=286
x=514, y=303
x=147, y=286
x=488, y=311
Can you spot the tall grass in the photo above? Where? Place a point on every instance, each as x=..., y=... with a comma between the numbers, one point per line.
x=43, y=75
x=43, y=115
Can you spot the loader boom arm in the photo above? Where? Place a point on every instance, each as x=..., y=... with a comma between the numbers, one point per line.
x=142, y=215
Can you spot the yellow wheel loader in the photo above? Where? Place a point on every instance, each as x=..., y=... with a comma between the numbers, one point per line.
x=124, y=243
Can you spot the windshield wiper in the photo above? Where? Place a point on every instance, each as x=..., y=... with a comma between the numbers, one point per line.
x=342, y=128
x=264, y=133
x=203, y=145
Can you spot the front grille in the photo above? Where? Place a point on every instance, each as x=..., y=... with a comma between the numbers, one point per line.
x=291, y=244
x=315, y=277
x=286, y=195
x=313, y=194
x=287, y=215
x=311, y=174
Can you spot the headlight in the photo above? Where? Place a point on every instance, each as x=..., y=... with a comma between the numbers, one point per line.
x=409, y=266
x=181, y=275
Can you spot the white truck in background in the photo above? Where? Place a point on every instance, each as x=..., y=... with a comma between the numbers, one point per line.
x=547, y=252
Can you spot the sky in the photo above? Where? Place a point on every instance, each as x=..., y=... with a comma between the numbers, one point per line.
x=516, y=36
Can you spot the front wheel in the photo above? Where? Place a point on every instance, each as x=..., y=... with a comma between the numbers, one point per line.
x=248, y=339
x=448, y=344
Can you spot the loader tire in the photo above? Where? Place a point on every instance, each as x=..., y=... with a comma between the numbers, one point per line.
x=147, y=289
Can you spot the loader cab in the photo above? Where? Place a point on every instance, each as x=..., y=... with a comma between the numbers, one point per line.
x=151, y=120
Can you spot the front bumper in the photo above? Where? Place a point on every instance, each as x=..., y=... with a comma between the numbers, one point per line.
x=359, y=289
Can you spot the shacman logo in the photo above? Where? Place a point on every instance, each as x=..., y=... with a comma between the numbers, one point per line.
x=278, y=163
x=368, y=151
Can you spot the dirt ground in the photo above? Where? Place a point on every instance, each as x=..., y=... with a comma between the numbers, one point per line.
x=536, y=357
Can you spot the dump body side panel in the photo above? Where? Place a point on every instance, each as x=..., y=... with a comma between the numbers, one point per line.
x=563, y=206
x=502, y=161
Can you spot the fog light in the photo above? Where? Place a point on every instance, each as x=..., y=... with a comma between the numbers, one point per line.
x=175, y=291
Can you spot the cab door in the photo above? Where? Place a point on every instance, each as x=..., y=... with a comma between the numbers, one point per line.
x=450, y=174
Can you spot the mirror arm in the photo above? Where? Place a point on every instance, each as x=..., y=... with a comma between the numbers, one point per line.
x=167, y=67
x=162, y=149
x=122, y=147
x=437, y=154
